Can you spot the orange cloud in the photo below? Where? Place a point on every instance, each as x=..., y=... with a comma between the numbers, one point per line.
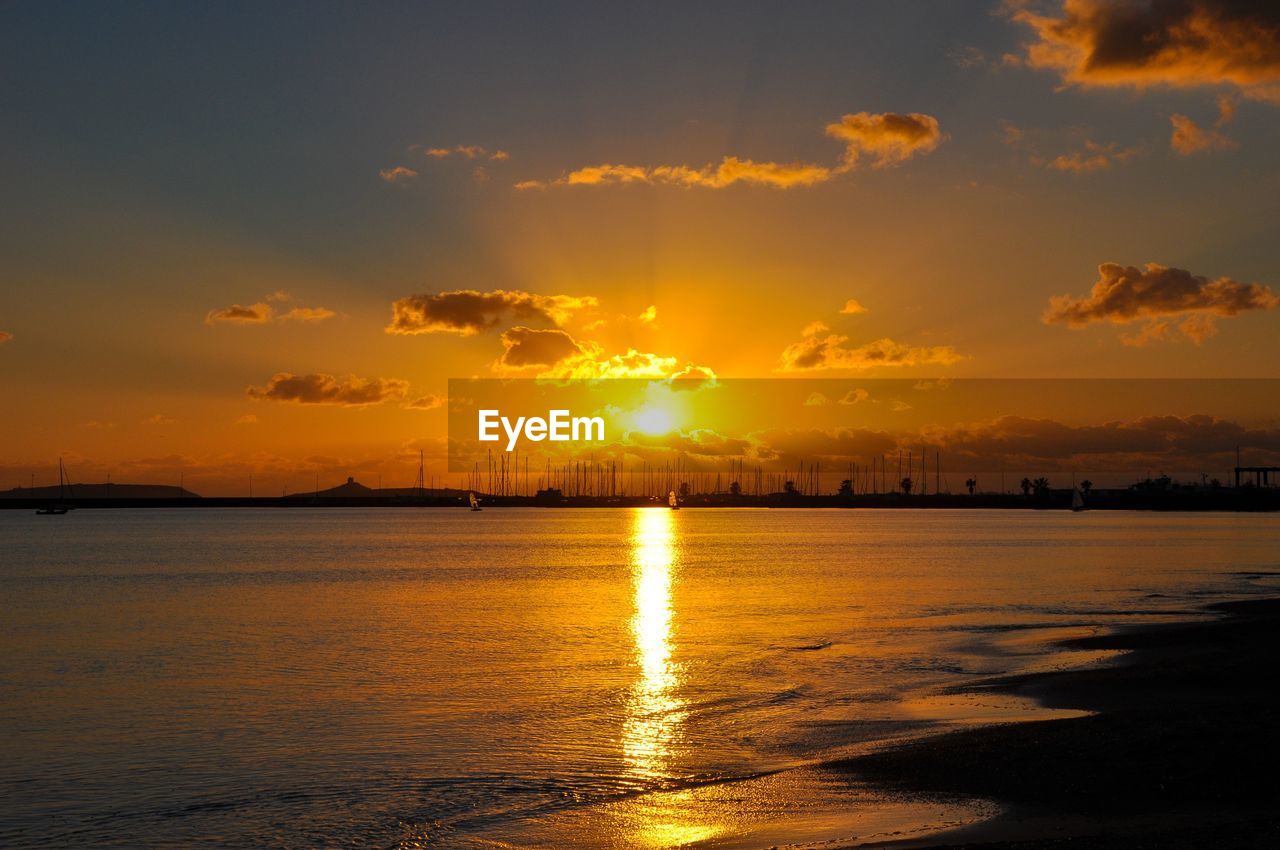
x=1088, y=156
x=1226, y=110
x=159, y=419
x=1197, y=327
x=426, y=402
x=307, y=314
x=731, y=170
x=592, y=365
x=467, y=311
x=890, y=137
x=468, y=152
x=326, y=389
x=556, y=355
x=1189, y=138
x=5, y=336
x=819, y=348
x=1177, y=44
x=852, y=308
x=854, y=396
x=1092, y=157
x=399, y=174
x=262, y=313
x=1125, y=294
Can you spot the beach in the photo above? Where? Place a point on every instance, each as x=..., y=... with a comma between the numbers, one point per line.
x=1182, y=750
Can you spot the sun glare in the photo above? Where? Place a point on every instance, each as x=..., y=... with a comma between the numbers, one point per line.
x=653, y=420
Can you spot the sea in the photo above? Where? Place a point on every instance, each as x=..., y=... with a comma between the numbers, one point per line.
x=597, y=677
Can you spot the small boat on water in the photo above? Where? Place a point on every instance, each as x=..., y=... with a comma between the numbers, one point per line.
x=1077, y=500
x=59, y=507
x=475, y=503
x=673, y=501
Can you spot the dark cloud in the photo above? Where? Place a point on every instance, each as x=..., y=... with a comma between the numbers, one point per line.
x=237, y=314
x=789, y=445
x=1169, y=441
x=1124, y=294
x=703, y=442
x=525, y=347
x=326, y=389
x=1177, y=43
x=468, y=311
x=692, y=377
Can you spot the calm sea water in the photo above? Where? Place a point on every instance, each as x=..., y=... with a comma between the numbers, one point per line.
x=605, y=678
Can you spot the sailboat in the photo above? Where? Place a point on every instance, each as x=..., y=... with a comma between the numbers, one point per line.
x=673, y=501
x=475, y=503
x=60, y=507
x=1077, y=500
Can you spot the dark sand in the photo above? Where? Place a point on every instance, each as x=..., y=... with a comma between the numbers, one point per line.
x=1184, y=750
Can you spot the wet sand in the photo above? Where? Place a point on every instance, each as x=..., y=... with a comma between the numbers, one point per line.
x=1183, y=751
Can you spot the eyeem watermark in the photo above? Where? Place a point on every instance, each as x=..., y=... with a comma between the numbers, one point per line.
x=558, y=427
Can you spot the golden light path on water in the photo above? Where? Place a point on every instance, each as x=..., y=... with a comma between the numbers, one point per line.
x=655, y=711
x=653, y=717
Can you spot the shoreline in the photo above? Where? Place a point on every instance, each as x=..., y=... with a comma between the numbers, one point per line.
x=1181, y=751
x=1225, y=501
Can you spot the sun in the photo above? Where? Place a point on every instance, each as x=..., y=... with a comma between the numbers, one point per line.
x=653, y=420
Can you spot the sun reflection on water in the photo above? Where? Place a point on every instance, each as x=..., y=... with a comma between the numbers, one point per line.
x=654, y=711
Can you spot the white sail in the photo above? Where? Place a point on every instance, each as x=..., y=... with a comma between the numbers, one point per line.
x=1077, y=500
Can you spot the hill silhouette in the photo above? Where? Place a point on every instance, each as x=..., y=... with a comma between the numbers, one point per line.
x=353, y=489
x=102, y=491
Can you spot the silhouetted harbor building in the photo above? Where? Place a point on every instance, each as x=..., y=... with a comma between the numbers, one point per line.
x=1257, y=476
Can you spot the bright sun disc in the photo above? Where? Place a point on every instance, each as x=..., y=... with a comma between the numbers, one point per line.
x=652, y=420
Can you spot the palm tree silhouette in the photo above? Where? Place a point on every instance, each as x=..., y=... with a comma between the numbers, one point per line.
x=971, y=484
x=1026, y=486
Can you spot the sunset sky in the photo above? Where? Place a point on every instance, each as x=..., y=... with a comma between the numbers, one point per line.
x=261, y=238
